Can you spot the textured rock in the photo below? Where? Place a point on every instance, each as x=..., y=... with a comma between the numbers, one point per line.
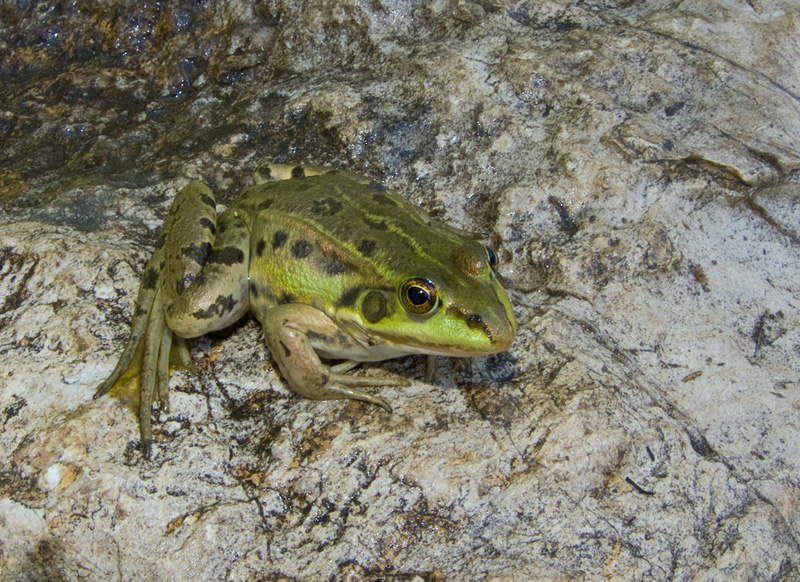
x=635, y=166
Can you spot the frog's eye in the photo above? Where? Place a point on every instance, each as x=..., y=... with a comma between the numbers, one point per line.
x=419, y=296
x=492, y=257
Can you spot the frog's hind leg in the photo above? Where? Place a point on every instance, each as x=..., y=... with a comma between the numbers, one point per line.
x=142, y=312
x=155, y=372
x=147, y=353
x=180, y=354
x=195, y=282
x=205, y=285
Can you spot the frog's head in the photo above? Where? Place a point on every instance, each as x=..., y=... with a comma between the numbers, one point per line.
x=453, y=308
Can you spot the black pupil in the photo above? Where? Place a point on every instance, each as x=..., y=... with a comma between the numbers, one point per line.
x=418, y=295
x=492, y=258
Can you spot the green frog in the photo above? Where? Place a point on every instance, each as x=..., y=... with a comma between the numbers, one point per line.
x=333, y=265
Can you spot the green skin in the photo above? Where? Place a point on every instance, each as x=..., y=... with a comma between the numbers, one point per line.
x=332, y=264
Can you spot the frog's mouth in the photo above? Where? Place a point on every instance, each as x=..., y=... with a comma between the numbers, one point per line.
x=492, y=339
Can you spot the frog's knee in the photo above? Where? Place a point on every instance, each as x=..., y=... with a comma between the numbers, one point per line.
x=190, y=320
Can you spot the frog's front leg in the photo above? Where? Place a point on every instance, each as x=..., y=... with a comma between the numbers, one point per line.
x=294, y=332
x=196, y=282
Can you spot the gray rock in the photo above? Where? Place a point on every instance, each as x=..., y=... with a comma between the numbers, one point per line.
x=634, y=165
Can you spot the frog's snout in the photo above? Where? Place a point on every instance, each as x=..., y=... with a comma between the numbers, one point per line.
x=501, y=332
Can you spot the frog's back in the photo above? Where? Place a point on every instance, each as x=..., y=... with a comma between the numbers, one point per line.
x=330, y=234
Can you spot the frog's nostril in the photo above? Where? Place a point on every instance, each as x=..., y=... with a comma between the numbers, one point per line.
x=475, y=320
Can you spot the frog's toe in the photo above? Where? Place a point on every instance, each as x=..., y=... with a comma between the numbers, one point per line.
x=180, y=354
x=146, y=448
x=367, y=381
x=334, y=392
x=345, y=366
x=346, y=386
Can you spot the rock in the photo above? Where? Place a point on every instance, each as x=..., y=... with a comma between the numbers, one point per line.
x=635, y=168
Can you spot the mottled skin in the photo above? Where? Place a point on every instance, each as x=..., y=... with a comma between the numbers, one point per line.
x=332, y=265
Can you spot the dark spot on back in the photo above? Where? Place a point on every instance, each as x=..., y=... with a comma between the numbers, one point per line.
x=298, y=172
x=207, y=223
x=198, y=253
x=348, y=297
x=366, y=247
x=378, y=187
x=208, y=201
x=286, y=351
x=262, y=244
x=279, y=239
x=326, y=207
x=253, y=289
x=301, y=249
x=335, y=267
x=150, y=278
x=265, y=203
x=227, y=256
x=375, y=225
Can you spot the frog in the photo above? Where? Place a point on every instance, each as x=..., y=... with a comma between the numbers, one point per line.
x=334, y=266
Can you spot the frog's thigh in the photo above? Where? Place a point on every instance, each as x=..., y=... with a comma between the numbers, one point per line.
x=188, y=233
x=206, y=290
x=286, y=333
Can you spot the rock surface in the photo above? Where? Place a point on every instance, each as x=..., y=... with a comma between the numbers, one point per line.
x=636, y=167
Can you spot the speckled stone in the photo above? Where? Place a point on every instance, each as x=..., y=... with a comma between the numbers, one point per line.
x=634, y=165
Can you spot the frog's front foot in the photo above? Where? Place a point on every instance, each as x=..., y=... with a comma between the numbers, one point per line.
x=288, y=330
x=339, y=386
